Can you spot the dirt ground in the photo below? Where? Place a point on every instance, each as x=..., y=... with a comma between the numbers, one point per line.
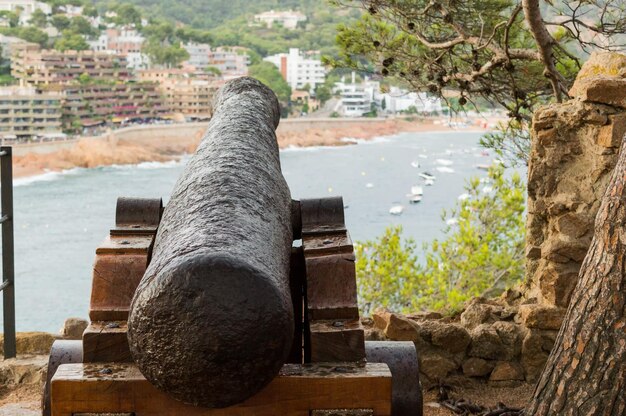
x=25, y=401
x=484, y=396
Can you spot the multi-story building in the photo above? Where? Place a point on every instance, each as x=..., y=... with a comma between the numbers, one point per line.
x=356, y=99
x=187, y=93
x=232, y=62
x=198, y=54
x=398, y=100
x=9, y=43
x=28, y=115
x=90, y=105
x=24, y=8
x=300, y=69
x=288, y=19
x=34, y=66
x=126, y=42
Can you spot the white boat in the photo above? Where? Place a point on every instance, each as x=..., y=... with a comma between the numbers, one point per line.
x=444, y=169
x=429, y=182
x=396, y=210
x=483, y=167
x=369, y=185
x=427, y=175
x=415, y=164
x=444, y=162
x=417, y=190
x=415, y=199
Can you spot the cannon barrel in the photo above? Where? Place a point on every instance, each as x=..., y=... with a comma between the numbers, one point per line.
x=211, y=322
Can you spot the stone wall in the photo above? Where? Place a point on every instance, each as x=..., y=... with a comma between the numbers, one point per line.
x=574, y=151
x=502, y=341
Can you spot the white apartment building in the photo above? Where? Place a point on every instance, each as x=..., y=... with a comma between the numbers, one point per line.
x=288, y=19
x=26, y=8
x=300, y=69
x=357, y=99
x=125, y=41
x=398, y=100
x=199, y=54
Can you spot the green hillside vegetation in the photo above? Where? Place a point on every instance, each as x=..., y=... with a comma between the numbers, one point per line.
x=231, y=23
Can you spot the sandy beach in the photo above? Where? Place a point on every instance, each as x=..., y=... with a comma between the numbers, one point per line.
x=106, y=151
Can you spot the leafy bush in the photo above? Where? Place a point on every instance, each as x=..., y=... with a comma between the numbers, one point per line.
x=482, y=254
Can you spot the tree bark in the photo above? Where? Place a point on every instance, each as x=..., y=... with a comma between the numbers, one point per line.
x=545, y=43
x=586, y=372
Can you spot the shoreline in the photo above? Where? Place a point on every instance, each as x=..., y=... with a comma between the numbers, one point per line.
x=136, y=147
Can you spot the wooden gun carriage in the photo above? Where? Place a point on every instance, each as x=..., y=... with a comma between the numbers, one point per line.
x=233, y=300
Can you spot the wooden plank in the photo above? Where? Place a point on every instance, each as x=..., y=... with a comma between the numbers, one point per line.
x=343, y=412
x=115, y=278
x=324, y=244
x=130, y=244
x=120, y=388
x=296, y=284
x=331, y=287
x=337, y=341
x=106, y=342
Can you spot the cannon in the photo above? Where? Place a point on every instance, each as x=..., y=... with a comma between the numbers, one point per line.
x=234, y=299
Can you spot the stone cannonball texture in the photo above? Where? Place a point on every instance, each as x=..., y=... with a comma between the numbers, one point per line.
x=211, y=322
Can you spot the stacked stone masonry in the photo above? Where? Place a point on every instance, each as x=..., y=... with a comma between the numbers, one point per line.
x=503, y=341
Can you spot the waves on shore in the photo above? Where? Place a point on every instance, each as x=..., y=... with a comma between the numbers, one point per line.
x=46, y=177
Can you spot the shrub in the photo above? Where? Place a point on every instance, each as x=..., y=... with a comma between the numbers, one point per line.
x=482, y=254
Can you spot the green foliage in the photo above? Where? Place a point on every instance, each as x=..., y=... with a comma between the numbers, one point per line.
x=28, y=33
x=481, y=255
x=12, y=17
x=268, y=74
x=70, y=41
x=38, y=19
x=85, y=79
x=80, y=25
x=61, y=22
x=127, y=14
x=323, y=93
x=163, y=54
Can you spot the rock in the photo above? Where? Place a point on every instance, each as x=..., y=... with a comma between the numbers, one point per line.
x=477, y=313
x=511, y=297
x=486, y=343
x=603, y=64
x=548, y=338
x=573, y=224
x=435, y=365
x=613, y=134
x=451, y=337
x=425, y=316
x=534, y=358
x=31, y=343
x=73, y=328
x=601, y=89
x=511, y=336
x=401, y=329
x=381, y=318
x=507, y=371
x=23, y=370
x=477, y=367
x=541, y=317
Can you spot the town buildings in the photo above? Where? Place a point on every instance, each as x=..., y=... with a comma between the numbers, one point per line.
x=300, y=69
x=189, y=95
x=34, y=66
x=9, y=43
x=24, y=8
x=398, y=100
x=356, y=99
x=126, y=42
x=27, y=115
x=199, y=54
x=91, y=105
x=232, y=62
x=287, y=19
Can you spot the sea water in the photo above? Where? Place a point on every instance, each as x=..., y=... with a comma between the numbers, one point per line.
x=60, y=218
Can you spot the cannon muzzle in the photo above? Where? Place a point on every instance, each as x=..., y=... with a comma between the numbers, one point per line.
x=211, y=322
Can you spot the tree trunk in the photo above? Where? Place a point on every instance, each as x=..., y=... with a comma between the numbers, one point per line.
x=586, y=372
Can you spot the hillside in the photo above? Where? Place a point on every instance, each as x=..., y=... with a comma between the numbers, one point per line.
x=209, y=14
x=228, y=22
